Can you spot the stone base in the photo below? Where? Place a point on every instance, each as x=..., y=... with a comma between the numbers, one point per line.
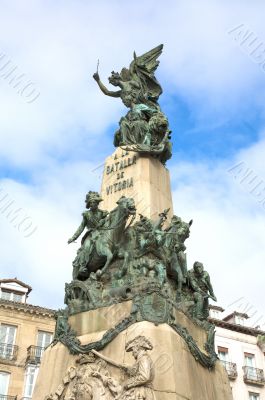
x=178, y=375
x=143, y=178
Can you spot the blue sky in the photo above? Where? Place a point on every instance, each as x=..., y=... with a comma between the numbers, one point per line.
x=214, y=97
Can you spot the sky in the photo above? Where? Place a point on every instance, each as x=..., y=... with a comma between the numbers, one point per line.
x=57, y=128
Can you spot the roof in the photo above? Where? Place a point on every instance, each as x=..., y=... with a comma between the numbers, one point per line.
x=27, y=308
x=235, y=314
x=236, y=327
x=217, y=308
x=15, y=280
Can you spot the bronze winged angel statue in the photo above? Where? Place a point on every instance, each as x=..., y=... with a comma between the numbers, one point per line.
x=145, y=127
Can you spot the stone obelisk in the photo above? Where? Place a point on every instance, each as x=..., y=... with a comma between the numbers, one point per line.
x=135, y=326
x=143, y=178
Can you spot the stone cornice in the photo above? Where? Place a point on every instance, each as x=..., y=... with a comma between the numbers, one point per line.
x=236, y=327
x=27, y=308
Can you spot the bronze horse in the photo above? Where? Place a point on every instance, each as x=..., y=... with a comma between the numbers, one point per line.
x=104, y=241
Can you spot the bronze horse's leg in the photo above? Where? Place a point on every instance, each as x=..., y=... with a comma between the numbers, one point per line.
x=126, y=259
x=176, y=271
x=104, y=251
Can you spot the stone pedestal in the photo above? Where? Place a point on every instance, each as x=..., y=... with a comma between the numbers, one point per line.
x=141, y=177
x=178, y=375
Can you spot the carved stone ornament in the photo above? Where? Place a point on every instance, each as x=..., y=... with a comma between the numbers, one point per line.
x=90, y=377
x=155, y=308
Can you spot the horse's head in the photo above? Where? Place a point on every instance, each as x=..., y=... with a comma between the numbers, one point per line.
x=184, y=230
x=127, y=205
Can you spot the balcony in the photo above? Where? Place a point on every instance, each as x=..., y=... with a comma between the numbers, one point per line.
x=4, y=397
x=254, y=376
x=8, y=352
x=231, y=369
x=34, y=354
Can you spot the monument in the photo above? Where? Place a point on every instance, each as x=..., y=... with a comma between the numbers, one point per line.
x=135, y=325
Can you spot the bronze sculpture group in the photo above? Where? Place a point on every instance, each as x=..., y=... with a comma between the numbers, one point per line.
x=104, y=232
x=144, y=128
x=144, y=248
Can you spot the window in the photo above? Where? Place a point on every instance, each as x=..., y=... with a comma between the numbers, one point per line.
x=12, y=296
x=6, y=295
x=249, y=360
x=253, y=396
x=43, y=340
x=239, y=320
x=4, y=382
x=17, y=297
x=215, y=314
x=30, y=379
x=7, y=340
x=250, y=367
x=223, y=354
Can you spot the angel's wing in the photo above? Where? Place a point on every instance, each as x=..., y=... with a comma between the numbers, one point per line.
x=143, y=67
x=149, y=60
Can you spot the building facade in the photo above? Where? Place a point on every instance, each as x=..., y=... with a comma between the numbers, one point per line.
x=241, y=350
x=25, y=331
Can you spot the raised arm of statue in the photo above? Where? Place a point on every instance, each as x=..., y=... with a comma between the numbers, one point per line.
x=78, y=232
x=103, y=88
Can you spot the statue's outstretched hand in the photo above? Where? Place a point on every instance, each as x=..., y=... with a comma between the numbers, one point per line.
x=96, y=76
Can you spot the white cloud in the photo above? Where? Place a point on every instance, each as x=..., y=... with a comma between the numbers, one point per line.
x=55, y=204
x=228, y=233
x=58, y=45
